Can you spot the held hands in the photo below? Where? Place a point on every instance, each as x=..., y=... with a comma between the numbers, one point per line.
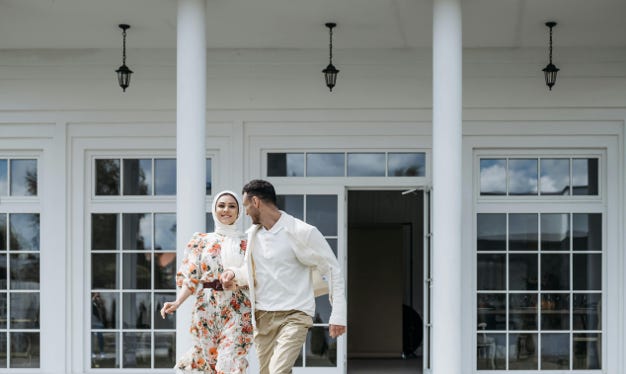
x=228, y=280
x=168, y=308
x=336, y=330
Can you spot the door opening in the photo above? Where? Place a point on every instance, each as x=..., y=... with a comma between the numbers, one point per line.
x=385, y=281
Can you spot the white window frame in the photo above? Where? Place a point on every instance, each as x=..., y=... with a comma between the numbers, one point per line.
x=601, y=141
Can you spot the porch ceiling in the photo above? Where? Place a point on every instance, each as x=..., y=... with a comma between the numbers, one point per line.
x=36, y=24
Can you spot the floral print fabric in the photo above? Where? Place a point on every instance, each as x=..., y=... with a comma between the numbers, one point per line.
x=221, y=323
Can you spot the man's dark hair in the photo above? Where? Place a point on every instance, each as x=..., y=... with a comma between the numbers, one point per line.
x=261, y=189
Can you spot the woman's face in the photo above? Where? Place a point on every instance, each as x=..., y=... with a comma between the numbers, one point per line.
x=227, y=209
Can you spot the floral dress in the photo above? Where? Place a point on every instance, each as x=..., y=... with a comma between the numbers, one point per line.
x=221, y=324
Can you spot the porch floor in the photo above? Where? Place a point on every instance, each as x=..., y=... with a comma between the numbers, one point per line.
x=386, y=366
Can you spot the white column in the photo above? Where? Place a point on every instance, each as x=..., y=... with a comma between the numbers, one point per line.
x=190, y=140
x=447, y=185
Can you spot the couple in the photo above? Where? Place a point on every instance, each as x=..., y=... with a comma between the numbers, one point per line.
x=264, y=288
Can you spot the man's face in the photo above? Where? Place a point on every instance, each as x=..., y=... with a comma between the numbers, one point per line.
x=251, y=205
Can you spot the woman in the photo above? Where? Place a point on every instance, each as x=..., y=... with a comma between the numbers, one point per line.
x=221, y=325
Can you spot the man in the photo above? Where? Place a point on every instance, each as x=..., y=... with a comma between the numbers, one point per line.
x=282, y=263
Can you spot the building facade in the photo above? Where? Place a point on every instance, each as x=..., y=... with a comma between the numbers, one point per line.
x=91, y=181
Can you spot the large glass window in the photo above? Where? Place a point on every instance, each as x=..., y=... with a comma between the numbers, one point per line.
x=350, y=164
x=18, y=177
x=133, y=267
x=137, y=177
x=539, y=291
x=539, y=176
x=321, y=211
x=19, y=290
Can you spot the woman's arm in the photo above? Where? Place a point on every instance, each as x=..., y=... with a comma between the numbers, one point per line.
x=170, y=307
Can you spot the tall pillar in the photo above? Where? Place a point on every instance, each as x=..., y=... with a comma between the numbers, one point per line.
x=447, y=185
x=190, y=140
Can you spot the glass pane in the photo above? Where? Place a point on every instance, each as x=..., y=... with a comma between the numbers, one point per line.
x=210, y=225
x=165, y=231
x=585, y=176
x=3, y=350
x=104, y=233
x=165, y=176
x=587, y=232
x=3, y=272
x=554, y=351
x=24, y=271
x=137, y=176
x=325, y=164
x=3, y=313
x=24, y=231
x=165, y=270
x=522, y=177
x=321, y=350
x=137, y=349
x=104, y=347
x=491, y=274
x=322, y=213
x=554, y=272
x=587, y=351
x=492, y=177
x=333, y=245
x=406, y=164
x=164, y=349
x=555, y=311
x=322, y=309
x=104, y=270
x=107, y=177
x=24, y=349
x=523, y=232
x=24, y=311
x=523, y=311
x=587, y=271
x=491, y=232
x=587, y=311
x=4, y=180
x=555, y=176
x=491, y=312
x=285, y=164
x=523, y=352
x=24, y=177
x=292, y=204
x=3, y=232
x=136, y=231
x=209, y=176
x=555, y=232
x=136, y=310
x=169, y=322
x=366, y=164
x=490, y=351
x=137, y=270
x=104, y=310
x=523, y=272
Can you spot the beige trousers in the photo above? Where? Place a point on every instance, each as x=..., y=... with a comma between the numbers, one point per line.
x=278, y=339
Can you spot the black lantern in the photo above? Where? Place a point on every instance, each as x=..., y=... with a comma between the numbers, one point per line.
x=123, y=72
x=330, y=73
x=550, y=70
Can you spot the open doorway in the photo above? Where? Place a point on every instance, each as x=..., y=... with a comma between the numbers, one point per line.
x=385, y=279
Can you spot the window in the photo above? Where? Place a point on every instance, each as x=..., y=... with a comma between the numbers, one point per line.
x=133, y=262
x=20, y=265
x=321, y=211
x=350, y=164
x=539, y=291
x=538, y=176
x=139, y=176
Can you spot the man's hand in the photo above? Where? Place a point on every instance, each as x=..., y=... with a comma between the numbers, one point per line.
x=228, y=280
x=336, y=330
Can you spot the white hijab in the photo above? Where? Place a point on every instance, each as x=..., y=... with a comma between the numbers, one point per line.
x=232, y=235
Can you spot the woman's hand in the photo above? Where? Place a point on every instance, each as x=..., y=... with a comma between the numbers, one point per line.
x=169, y=308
